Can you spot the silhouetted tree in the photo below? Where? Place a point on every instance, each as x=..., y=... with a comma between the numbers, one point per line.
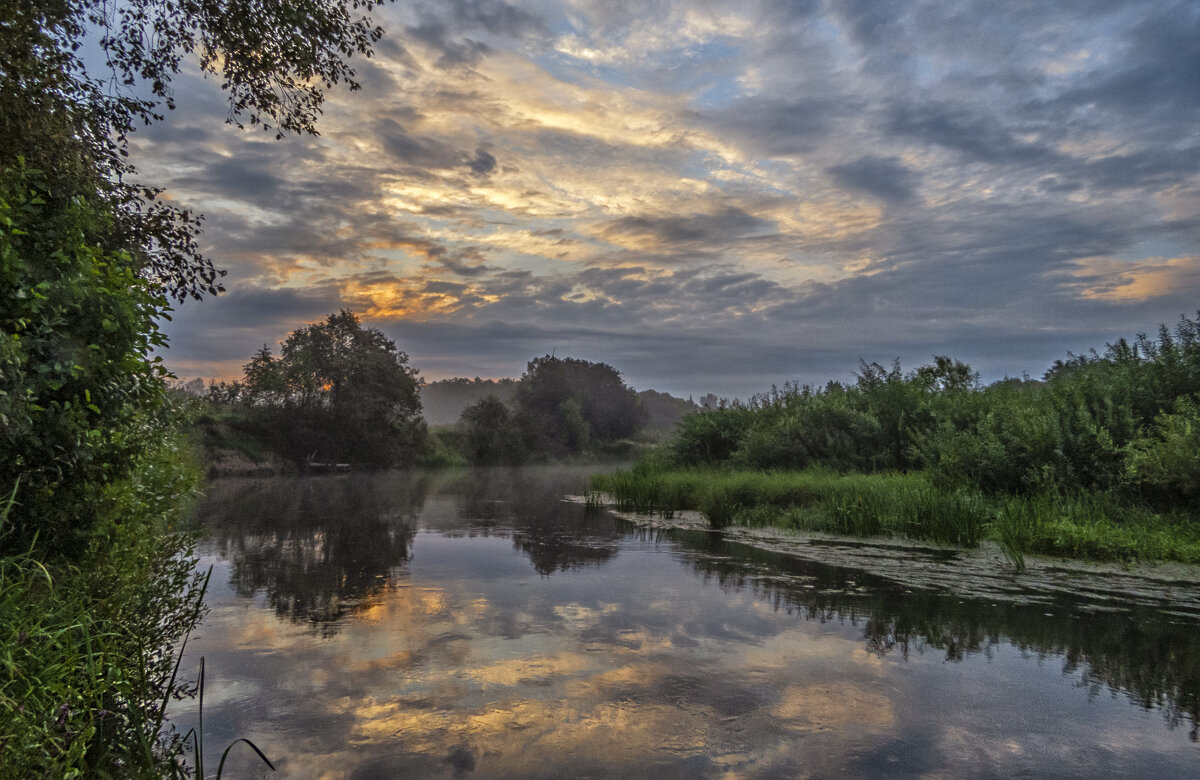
x=572, y=404
x=493, y=431
x=337, y=389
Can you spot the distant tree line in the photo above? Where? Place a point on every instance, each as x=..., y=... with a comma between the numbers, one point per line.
x=443, y=401
x=1126, y=420
x=341, y=392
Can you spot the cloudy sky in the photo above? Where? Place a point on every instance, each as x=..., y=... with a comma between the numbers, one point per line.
x=714, y=196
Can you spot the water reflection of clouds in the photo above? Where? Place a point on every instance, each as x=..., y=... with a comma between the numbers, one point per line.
x=473, y=663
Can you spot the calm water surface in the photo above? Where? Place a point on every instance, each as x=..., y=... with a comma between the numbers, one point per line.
x=474, y=625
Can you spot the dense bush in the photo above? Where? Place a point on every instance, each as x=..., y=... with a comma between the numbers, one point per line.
x=87, y=644
x=78, y=387
x=1124, y=420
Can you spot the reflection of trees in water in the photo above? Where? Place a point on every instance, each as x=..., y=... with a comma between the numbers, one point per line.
x=1152, y=658
x=318, y=547
x=557, y=536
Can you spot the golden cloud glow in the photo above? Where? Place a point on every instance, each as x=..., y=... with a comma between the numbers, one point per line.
x=1109, y=279
x=840, y=707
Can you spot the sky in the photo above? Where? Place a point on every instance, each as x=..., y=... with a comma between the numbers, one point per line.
x=713, y=196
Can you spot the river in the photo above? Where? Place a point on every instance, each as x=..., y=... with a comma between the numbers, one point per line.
x=473, y=624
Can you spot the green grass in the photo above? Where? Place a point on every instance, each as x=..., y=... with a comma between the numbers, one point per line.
x=87, y=659
x=910, y=505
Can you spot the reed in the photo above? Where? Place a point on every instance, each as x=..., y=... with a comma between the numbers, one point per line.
x=1094, y=526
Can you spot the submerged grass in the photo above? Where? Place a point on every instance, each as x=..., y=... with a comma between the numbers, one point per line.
x=1087, y=526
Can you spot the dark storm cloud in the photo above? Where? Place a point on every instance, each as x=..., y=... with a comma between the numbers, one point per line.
x=1148, y=168
x=885, y=178
x=776, y=127
x=726, y=225
x=482, y=163
x=872, y=22
x=443, y=28
x=244, y=178
x=420, y=151
x=230, y=327
x=974, y=132
x=427, y=152
x=495, y=17
x=1159, y=72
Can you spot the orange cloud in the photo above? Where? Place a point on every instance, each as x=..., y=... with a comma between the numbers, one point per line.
x=1109, y=279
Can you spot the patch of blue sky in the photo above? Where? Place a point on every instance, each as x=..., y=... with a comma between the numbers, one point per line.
x=580, y=72
x=720, y=93
x=1165, y=247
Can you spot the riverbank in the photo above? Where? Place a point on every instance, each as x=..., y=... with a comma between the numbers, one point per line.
x=89, y=641
x=1093, y=526
x=983, y=572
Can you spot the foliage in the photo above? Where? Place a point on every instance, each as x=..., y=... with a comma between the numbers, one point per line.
x=93, y=590
x=572, y=404
x=912, y=505
x=1099, y=460
x=275, y=61
x=337, y=391
x=561, y=407
x=1164, y=461
x=88, y=646
x=78, y=387
x=1118, y=421
x=493, y=433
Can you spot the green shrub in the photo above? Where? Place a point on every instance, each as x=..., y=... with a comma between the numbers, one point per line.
x=87, y=646
x=77, y=381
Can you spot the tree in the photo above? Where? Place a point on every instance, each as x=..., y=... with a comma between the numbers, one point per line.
x=337, y=390
x=493, y=432
x=77, y=383
x=572, y=404
x=275, y=61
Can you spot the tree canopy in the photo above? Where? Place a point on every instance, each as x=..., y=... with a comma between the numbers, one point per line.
x=72, y=122
x=337, y=390
x=89, y=255
x=562, y=406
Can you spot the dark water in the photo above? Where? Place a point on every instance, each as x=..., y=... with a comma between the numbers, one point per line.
x=474, y=625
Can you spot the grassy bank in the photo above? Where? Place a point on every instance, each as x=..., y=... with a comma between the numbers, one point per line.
x=1093, y=526
x=87, y=655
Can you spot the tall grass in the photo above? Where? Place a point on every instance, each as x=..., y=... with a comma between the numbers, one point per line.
x=1093, y=526
x=87, y=656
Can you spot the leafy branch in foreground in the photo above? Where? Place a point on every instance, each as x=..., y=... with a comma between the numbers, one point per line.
x=275, y=62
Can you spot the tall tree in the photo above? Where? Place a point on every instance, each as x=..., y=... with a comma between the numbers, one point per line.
x=339, y=390
x=88, y=256
x=571, y=404
x=274, y=60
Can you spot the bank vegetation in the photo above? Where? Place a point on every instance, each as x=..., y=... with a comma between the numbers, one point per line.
x=1099, y=459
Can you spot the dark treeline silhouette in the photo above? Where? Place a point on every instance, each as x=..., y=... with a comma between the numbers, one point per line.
x=562, y=407
x=338, y=391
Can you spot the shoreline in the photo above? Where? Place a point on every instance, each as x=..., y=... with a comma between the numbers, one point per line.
x=982, y=572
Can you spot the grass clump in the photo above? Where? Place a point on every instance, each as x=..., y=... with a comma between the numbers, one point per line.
x=87, y=643
x=914, y=505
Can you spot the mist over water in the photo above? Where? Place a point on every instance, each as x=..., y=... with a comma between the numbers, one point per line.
x=472, y=624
